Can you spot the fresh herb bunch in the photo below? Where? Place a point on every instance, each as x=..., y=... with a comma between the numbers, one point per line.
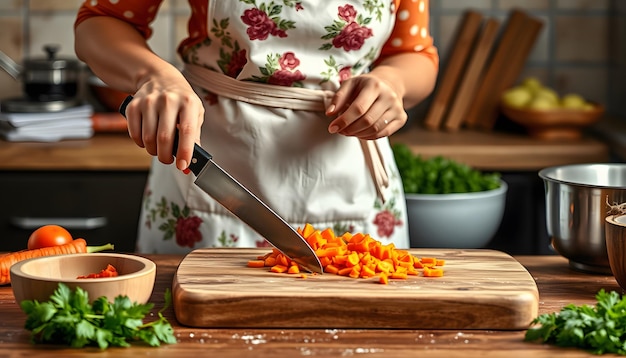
x=69, y=318
x=438, y=175
x=599, y=329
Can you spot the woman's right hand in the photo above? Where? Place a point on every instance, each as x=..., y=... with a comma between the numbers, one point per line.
x=163, y=100
x=163, y=103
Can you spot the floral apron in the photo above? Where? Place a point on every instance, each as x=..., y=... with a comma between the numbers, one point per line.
x=285, y=156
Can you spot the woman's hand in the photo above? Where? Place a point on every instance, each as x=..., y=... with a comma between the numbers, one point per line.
x=372, y=105
x=367, y=107
x=162, y=98
x=162, y=104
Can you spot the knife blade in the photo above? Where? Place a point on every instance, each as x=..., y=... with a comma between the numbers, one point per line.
x=240, y=201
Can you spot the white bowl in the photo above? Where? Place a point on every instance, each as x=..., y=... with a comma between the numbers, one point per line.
x=460, y=221
x=38, y=278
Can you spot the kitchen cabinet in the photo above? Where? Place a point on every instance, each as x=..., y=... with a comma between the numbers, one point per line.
x=100, y=206
x=94, y=185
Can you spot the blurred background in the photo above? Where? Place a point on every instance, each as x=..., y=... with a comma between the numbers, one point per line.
x=581, y=47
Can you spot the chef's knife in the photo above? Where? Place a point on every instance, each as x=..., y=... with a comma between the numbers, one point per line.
x=221, y=186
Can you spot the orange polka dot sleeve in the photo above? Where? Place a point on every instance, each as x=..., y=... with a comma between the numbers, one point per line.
x=411, y=33
x=138, y=13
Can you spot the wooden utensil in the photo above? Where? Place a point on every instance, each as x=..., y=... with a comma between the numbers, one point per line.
x=514, y=45
x=457, y=60
x=480, y=289
x=471, y=78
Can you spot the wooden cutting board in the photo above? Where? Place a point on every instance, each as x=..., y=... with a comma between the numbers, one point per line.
x=480, y=289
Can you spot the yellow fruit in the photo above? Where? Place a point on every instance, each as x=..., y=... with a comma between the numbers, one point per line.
x=532, y=84
x=517, y=97
x=572, y=100
x=542, y=103
x=548, y=94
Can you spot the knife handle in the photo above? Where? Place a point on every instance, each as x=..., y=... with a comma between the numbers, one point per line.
x=200, y=156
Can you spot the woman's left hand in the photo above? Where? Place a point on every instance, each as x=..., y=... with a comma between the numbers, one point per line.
x=367, y=107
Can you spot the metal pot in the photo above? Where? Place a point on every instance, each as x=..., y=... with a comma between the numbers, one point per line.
x=577, y=203
x=45, y=79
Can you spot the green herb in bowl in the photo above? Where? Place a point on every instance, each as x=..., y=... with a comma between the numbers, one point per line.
x=439, y=175
x=439, y=192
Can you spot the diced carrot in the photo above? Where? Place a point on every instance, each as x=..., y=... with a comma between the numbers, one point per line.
x=366, y=271
x=278, y=268
x=340, y=260
x=433, y=272
x=344, y=271
x=256, y=263
x=328, y=235
x=307, y=231
x=282, y=260
x=355, y=255
x=366, y=258
x=353, y=259
x=360, y=246
x=382, y=278
x=331, y=269
x=326, y=260
x=398, y=275
x=355, y=272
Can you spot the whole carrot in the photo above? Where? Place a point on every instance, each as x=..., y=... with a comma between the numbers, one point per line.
x=77, y=246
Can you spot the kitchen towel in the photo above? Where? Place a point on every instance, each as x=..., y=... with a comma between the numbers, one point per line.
x=71, y=123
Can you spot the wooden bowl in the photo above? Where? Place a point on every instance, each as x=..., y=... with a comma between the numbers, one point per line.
x=615, y=235
x=549, y=124
x=38, y=278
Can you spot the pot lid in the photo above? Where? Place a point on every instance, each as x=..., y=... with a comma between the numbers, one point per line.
x=51, y=61
x=26, y=105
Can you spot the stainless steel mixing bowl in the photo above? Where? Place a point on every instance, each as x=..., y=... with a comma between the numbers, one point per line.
x=576, y=208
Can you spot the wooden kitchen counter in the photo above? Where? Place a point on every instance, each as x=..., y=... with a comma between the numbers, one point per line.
x=110, y=151
x=483, y=150
x=501, y=151
x=558, y=286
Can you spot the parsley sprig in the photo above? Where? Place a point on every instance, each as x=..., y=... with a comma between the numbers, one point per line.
x=599, y=329
x=68, y=318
